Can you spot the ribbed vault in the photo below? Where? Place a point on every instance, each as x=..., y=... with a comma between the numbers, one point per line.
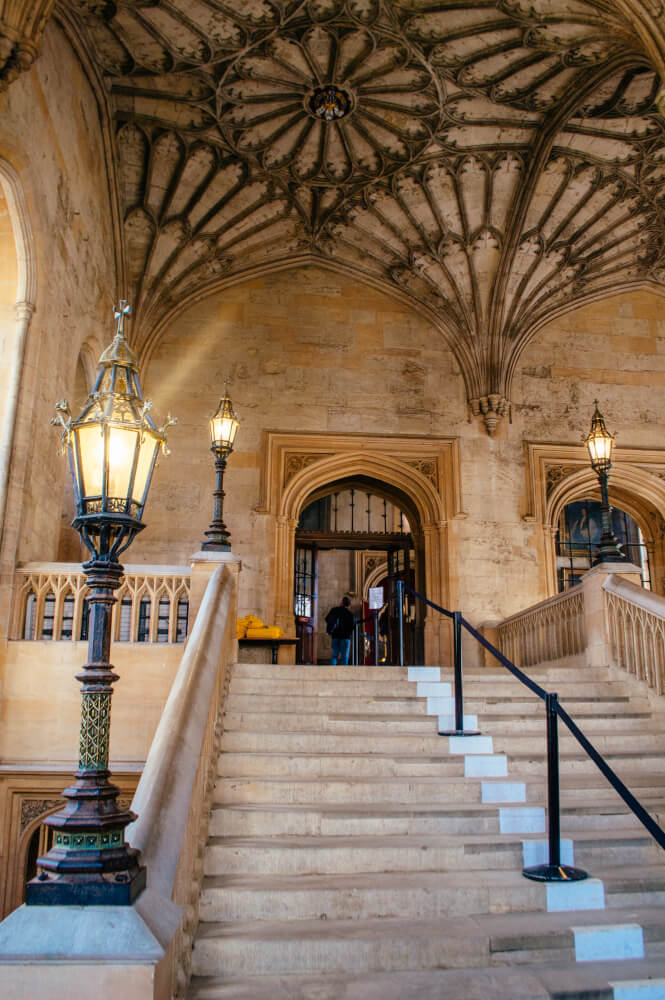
x=500, y=160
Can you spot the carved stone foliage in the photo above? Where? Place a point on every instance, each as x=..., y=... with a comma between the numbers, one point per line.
x=556, y=474
x=427, y=467
x=32, y=808
x=296, y=463
x=497, y=162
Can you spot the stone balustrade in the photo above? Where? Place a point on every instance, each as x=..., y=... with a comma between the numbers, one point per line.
x=50, y=603
x=635, y=620
x=546, y=631
x=608, y=618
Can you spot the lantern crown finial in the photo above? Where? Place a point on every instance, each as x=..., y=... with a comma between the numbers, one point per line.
x=119, y=352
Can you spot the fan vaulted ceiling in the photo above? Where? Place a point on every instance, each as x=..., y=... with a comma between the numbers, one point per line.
x=501, y=160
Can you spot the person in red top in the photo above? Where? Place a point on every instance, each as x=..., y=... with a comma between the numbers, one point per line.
x=339, y=626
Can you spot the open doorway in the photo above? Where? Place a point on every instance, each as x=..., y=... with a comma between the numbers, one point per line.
x=353, y=534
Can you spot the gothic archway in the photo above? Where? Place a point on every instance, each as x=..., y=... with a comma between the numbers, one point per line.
x=422, y=471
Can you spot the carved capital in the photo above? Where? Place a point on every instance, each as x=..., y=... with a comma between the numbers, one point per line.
x=492, y=408
x=21, y=27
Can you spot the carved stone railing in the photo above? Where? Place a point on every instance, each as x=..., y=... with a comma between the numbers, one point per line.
x=152, y=603
x=635, y=622
x=550, y=630
x=174, y=794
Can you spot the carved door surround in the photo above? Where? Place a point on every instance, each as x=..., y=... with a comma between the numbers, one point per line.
x=558, y=474
x=422, y=473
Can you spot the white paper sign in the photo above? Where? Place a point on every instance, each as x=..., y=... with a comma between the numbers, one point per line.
x=375, y=598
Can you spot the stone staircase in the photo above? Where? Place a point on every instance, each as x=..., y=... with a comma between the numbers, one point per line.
x=356, y=854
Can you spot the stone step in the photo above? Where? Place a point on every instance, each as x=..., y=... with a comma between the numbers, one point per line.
x=574, y=788
x=474, y=687
x=337, y=765
x=358, y=723
x=416, y=852
x=298, y=704
x=623, y=723
x=605, y=743
x=390, y=704
x=379, y=790
x=587, y=981
x=577, y=762
x=250, y=820
x=341, y=687
x=489, y=675
x=371, y=723
x=325, y=946
x=496, y=706
x=412, y=895
x=426, y=744
x=430, y=743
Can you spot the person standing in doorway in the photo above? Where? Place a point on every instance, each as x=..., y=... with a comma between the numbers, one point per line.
x=339, y=626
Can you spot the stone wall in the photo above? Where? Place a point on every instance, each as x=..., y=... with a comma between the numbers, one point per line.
x=313, y=351
x=50, y=134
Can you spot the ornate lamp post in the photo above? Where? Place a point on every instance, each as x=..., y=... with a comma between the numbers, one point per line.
x=113, y=445
x=223, y=429
x=600, y=444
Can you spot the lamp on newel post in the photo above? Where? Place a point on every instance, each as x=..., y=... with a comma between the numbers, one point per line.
x=600, y=444
x=223, y=430
x=112, y=445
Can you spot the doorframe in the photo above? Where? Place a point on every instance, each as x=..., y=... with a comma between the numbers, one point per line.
x=426, y=470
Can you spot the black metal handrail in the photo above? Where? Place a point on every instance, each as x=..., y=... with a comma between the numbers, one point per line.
x=554, y=871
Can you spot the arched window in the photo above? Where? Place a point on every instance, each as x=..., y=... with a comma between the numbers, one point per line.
x=30, y=616
x=48, y=616
x=578, y=540
x=125, y=623
x=67, y=628
x=163, y=615
x=182, y=620
x=143, y=632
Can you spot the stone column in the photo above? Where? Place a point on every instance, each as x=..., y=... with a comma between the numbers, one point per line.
x=597, y=645
x=204, y=564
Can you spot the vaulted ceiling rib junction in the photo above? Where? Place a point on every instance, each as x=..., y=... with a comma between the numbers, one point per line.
x=496, y=161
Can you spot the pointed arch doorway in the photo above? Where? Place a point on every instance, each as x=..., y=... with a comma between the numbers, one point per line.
x=352, y=533
x=425, y=471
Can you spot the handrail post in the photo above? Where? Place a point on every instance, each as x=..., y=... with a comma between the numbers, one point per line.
x=459, y=695
x=376, y=637
x=400, y=619
x=553, y=871
x=459, y=692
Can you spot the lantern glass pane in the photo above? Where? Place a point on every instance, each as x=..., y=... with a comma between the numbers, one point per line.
x=223, y=430
x=600, y=448
x=122, y=447
x=91, y=447
x=147, y=456
x=74, y=469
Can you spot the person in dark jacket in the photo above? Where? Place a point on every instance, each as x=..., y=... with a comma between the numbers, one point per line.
x=339, y=626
